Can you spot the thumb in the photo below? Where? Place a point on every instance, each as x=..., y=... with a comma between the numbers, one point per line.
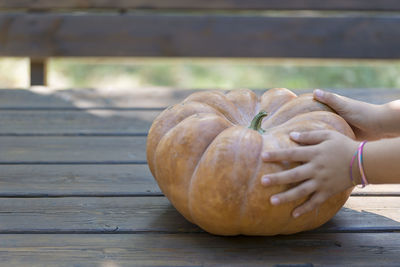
x=311, y=137
x=338, y=103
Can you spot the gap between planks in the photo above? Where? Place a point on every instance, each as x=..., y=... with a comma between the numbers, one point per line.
x=348, y=249
x=150, y=194
x=156, y=214
x=108, y=180
x=143, y=134
x=116, y=231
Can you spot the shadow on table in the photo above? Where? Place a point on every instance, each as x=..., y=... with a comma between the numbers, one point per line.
x=350, y=238
x=345, y=221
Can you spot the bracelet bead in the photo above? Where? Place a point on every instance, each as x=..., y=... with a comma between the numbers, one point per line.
x=364, y=180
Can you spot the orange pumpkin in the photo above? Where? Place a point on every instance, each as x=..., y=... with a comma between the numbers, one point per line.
x=207, y=161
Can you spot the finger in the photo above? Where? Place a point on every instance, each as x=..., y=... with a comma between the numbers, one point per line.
x=335, y=101
x=297, y=154
x=295, y=193
x=315, y=201
x=294, y=175
x=344, y=106
x=311, y=137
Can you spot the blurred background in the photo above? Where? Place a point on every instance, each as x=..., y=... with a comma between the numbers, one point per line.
x=204, y=73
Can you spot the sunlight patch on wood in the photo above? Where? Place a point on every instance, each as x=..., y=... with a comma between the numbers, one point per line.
x=376, y=206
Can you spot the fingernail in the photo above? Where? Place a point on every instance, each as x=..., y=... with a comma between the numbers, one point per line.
x=295, y=135
x=265, y=180
x=274, y=201
x=319, y=93
x=265, y=155
x=296, y=214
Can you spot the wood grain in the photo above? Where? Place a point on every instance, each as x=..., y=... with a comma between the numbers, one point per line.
x=80, y=180
x=80, y=150
x=378, y=190
x=102, y=180
x=383, y=5
x=25, y=114
x=305, y=250
x=41, y=35
x=155, y=214
x=93, y=150
x=79, y=122
x=107, y=213
x=48, y=99
x=38, y=70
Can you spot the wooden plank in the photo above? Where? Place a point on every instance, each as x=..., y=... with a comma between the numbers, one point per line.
x=80, y=122
x=21, y=120
x=92, y=214
x=40, y=35
x=155, y=214
x=383, y=5
x=136, y=98
x=72, y=99
x=73, y=150
x=25, y=118
x=305, y=250
x=81, y=180
x=378, y=190
x=102, y=180
x=38, y=72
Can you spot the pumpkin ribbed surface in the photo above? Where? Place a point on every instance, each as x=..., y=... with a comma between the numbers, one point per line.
x=207, y=161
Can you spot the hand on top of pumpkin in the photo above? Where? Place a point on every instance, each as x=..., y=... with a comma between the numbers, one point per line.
x=322, y=173
x=364, y=118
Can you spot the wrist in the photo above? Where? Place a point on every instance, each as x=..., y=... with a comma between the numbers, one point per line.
x=358, y=171
x=388, y=119
x=355, y=169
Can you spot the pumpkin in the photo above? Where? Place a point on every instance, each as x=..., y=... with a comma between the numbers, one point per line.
x=205, y=154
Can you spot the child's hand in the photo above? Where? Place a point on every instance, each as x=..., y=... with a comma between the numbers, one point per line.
x=364, y=118
x=324, y=172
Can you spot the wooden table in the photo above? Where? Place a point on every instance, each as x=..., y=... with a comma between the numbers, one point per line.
x=75, y=190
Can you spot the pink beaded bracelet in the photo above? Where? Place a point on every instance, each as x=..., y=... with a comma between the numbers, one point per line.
x=359, y=152
x=364, y=180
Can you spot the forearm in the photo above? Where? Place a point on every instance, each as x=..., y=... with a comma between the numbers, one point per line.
x=390, y=119
x=381, y=162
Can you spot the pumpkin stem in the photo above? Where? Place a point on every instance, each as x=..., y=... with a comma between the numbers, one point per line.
x=256, y=122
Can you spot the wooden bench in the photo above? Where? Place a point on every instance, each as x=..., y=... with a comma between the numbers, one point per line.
x=75, y=188
x=191, y=28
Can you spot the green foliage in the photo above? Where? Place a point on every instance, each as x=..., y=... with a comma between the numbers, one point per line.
x=206, y=73
x=228, y=74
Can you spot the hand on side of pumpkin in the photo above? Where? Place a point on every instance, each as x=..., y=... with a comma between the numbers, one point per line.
x=325, y=155
x=365, y=118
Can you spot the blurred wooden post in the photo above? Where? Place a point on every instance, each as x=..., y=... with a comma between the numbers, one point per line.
x=38, y=71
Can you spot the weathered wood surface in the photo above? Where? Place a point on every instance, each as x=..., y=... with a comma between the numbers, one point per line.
x=86, y=112
x=140, y=99
x=91, y=200
x=86, y=122
x=378, y=190
x=305, y=250
x=155, y=214
x=102, y=180
x=374, y=5
x=95, y=150
x=44, y=98
x=79, y=180
x=154, y=35
x=38, y=72
x=55, y=114
x=100, y=150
